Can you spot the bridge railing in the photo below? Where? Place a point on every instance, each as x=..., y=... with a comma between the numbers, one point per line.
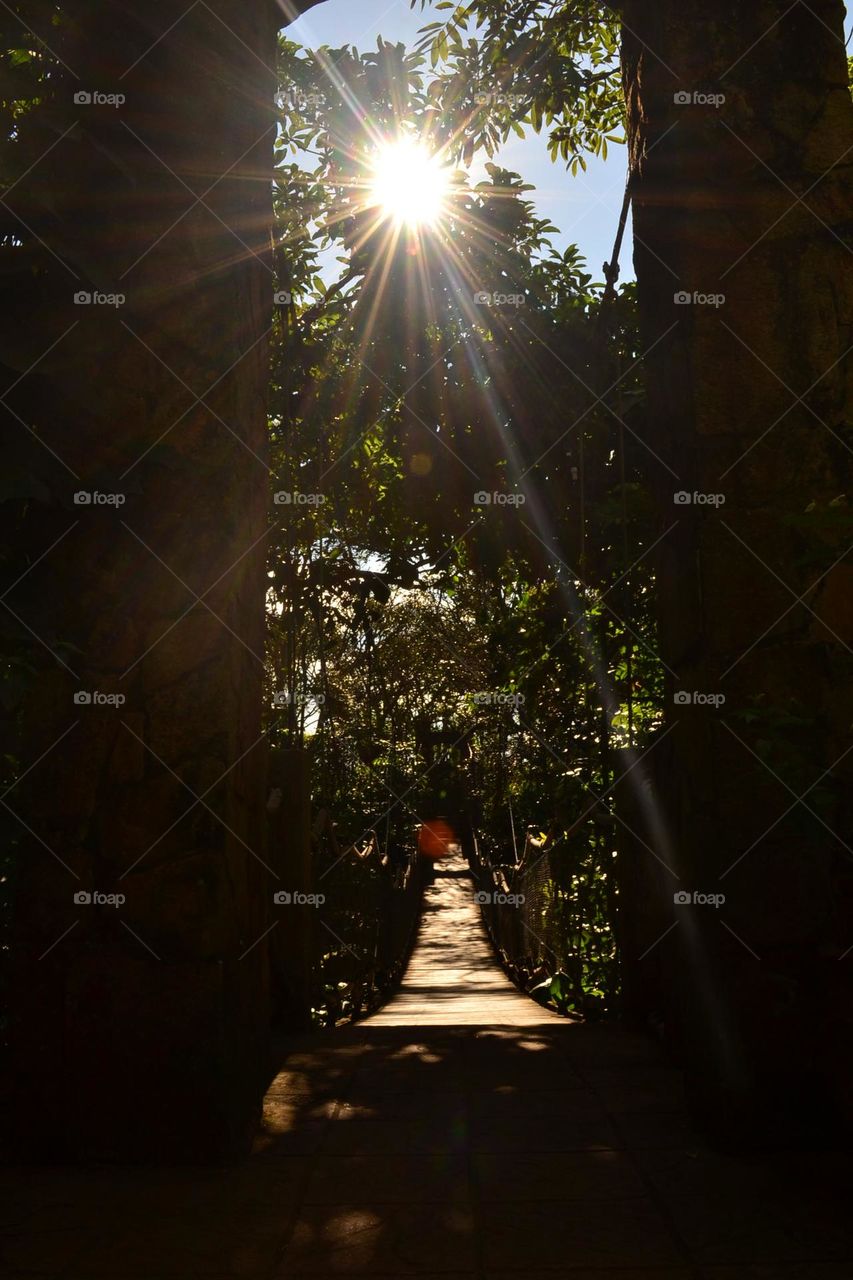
x=366, y=922
x=549, y=916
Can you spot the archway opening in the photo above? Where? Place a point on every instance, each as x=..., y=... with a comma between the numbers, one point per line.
x=461, y=593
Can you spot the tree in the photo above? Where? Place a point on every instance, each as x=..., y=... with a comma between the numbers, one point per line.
x=399, y=392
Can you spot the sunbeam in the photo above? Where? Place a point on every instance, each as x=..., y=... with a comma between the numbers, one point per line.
x=410, y=185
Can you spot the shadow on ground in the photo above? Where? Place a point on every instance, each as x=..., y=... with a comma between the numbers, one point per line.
x=460, y=1152
x=460, y=1132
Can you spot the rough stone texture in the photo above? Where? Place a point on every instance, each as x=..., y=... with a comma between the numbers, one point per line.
x=751, y=199
x=157, y=1008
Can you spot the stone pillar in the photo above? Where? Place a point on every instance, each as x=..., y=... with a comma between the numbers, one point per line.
x=142, y=307
x=740, y=135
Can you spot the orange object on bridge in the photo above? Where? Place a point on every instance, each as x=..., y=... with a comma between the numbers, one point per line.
x=435, y=838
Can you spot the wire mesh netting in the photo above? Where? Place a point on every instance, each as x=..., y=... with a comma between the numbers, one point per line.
x=367, y=922
x=550, y=917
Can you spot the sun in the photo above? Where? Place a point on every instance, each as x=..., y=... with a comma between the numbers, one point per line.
x=409, y=183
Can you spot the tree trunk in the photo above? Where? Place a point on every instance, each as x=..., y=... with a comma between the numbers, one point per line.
x=139, y=1029
x=741, y=144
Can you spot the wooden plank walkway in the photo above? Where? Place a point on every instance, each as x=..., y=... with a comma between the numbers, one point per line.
x=459, y=1133
x=452, y=978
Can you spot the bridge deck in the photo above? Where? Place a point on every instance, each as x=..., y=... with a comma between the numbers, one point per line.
x=452, y=978
x=459, y=1133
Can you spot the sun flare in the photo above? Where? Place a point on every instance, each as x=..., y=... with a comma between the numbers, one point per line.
x=409, y=183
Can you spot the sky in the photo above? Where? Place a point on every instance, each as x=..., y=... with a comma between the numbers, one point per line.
x=586, y=207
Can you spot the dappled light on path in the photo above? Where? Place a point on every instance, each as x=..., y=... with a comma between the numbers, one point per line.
x=519, y=1145
x=452, y=978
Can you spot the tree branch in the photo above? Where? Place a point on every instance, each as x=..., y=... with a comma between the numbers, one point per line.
x=290, y=10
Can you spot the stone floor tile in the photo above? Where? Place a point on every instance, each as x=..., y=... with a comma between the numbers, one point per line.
x=407, y=1179
x=748, y=1230
x=598, y=1273
x=559, y=1237
x=556, y=1176
x=380, y=1239
x=780, y=1271
x=394, y=1137
x=560, y=1133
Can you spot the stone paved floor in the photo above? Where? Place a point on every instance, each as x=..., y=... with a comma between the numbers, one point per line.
x=460, y=1133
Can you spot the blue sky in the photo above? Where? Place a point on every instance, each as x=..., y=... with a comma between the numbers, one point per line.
x=585, y=208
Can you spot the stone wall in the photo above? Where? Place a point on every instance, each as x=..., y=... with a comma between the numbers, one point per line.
x=740, y=133
x=139, y=1028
